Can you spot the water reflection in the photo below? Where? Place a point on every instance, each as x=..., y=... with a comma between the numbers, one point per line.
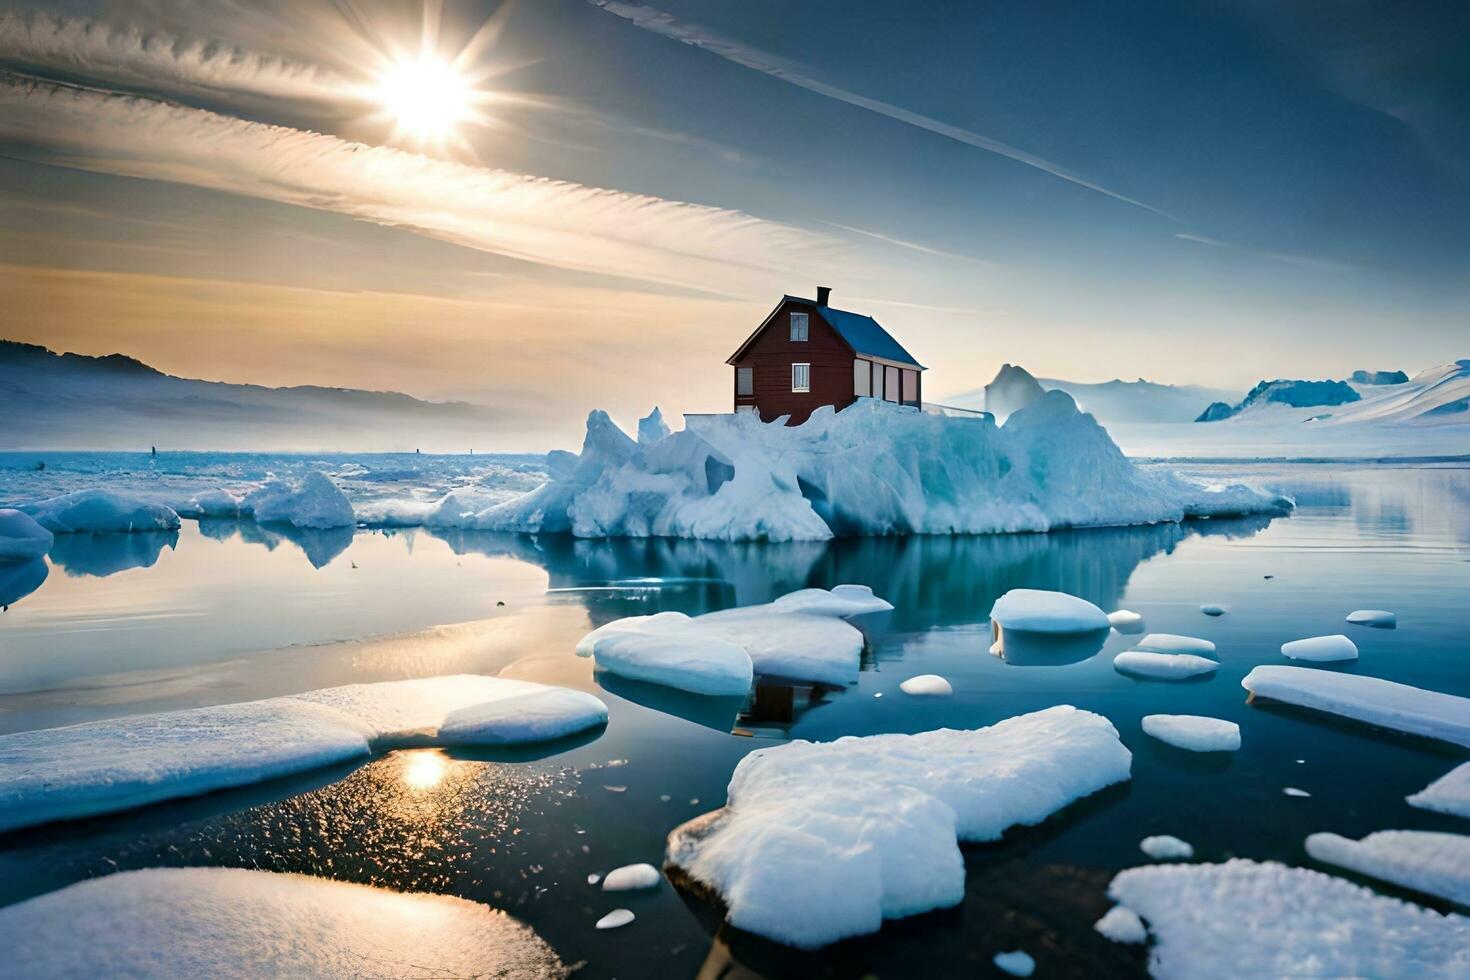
x=20, y=579
x=102, y=554
x=320, y=545
x=1021, y=648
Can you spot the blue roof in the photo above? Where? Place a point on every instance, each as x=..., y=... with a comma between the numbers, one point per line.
x=864, y=334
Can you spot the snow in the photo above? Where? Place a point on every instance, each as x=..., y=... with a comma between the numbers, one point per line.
x=1249, y=919
x=1379, y=618
x=1295, y=394
x=632, y=877
x=1126, y=621
x=1212, y=609
x=236, y=923
x=1194, y=732
x=800, y=636
x=21, y=538
x=1017, y=963
x=1449, y=793
x=1174, y=643
x=314, y=501
x=1165, y=847
x=1040, y=611
x=615, y=919
x=1424, y=861
x=1122, y=925
x=1162, y=666
x=927, y=685
x=101, y=510
x=1321, y=649
x=821, y=841
x=213, y=502
x=1367, y=699
x=120, y=763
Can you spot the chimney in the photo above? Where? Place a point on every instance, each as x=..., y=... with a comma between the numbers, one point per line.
x=822, y=293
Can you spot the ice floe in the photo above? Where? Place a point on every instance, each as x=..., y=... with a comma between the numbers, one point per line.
x=820, y=841
x=1122, y=925
x=1040, y=611
x=1367, y=699
x=236, y=923
x=101, y=510
x=800, y=636
x=927, y=685
x=21, y=538
x=1449, y=793
x=1196, y=733
x=1126, y=621
x=616, y=919
x=1174, y=643
x=1162, y=666
x=1166, y=847
x=1017, y=963
x=105, y=766
x=1212, y=609
x=1293, y=791
x=631, y=877
x=1321, y=649
x=1379, y=618
x=314, y=501
x=1424, y=861
x=214, y=502
x=1249, y=919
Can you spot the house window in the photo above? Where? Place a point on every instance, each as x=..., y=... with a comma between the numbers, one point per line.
x=877, y=381
x=798, y=327
x=911, y=387
x=744, y=382
x=890, y=383
x=801, y=377
x=862, y=378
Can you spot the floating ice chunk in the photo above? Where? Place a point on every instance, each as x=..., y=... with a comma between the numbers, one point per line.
x=1380, y=618
x=1194, y=732
x=669, y=648
x=106, y=766
x=797, y=646
x=1122, y=925
x=1212, y=609
x=230, y=922
x=1449, y=793
x=1039, y=611
x=1126, y=621
x=21, y=538
x=1293, y=791
x=1321, y=649
x=927, y=685
x=593, y=879
x=842, y=601
x=1174, y=643
x=1432, y=863
x=820, y=841
x=1162, y=666
x=314, y=502
x=101, y=511
x=1166, y=847
x=615, y=919
x=215, y=502
x=1244, y=919
x=1367, y=699
x=1017, y=963
x=631, y=877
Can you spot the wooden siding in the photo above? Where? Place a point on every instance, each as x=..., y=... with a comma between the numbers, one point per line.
x=773, y=352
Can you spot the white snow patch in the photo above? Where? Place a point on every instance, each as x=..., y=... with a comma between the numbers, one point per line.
x=1017, y=963
x=1196, y=733
x=313, y=502
x=1174, y=643
x=1162, y=666
x=821, y=841
x=1380, y=618
x=1122, y=925
x=1249, y=919
x=1166, y=847
x=1367, y=699
x=1126, y=621
x=120, y=763
x=1040, y=611
x=615, y=919
x=21, y=538
x=631, y=877
x=1449, y=793
x=927, y=685
x=1321, y=649
x=101, y=511
x=231, y=922
x=1433, y=863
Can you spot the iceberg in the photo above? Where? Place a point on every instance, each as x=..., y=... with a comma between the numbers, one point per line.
x=821, y=841
x=1371, y=700
x=1040, y=611
x=631, y=877
x=213, y=502
x=314, y=502
x=21, y=538
x=101, y=510
x=1212, y=609
x=1377, y=618
x=1162, y=666
x=1420, y=860
x=1122, y=925
x=1174, y=643
x=1018, y=963
x=233, y=922
x=616, y=919
x=1449, y=793
x=927, y=685
x=1321, y=649
x=1249, y=919
x=1166, y=847
x=1194, y=732
x=120, y=763
x=1126, y=621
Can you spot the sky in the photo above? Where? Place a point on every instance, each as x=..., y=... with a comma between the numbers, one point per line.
x=1206, y=193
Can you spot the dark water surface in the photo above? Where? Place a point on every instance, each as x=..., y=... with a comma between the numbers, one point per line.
x=229, y=612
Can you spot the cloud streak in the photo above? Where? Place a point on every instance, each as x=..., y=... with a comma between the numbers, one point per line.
x=658, y=22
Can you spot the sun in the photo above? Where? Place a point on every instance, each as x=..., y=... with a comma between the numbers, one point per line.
x=426, y=98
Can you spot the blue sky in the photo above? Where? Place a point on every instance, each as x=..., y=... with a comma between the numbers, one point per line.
x=1206, y=193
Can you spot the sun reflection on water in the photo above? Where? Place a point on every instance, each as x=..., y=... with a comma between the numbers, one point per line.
x=424, y=769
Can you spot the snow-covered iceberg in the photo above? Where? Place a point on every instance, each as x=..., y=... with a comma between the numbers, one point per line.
x=821, y=841
x=1421, y=860
x=1249, y=919
x=1449, y=793
x=1162, y=666
x=1367, y=699
x=21, y=538
x=1040, y=611
x=101, y=510
x=314, y=501
x=873, y=468
x=120, y=763
x=1321, y=649
x=1196, y=733
x=236, y=923
x=801, y=636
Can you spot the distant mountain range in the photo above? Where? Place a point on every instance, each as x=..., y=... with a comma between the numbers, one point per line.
x=72, y=401
x=1122, y=401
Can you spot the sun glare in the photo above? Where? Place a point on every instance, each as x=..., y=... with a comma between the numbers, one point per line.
x=426, y=98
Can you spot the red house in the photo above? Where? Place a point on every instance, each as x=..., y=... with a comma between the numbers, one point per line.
x=807, y=354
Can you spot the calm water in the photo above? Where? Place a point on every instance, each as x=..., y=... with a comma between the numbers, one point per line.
x=227, y=612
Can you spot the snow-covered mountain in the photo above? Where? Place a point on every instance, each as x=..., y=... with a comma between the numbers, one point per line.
x=72, y=401
x=1119, y=401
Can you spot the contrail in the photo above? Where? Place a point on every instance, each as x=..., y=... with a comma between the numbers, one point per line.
x=694, y=35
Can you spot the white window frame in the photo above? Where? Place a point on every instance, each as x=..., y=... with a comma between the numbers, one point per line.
x=862, y=378
x=804, y=372
x=800, y=328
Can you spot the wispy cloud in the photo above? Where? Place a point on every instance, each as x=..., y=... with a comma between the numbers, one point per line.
x=551, y=222
x=651, y=19
x=912, y=246
x=1290, y=258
